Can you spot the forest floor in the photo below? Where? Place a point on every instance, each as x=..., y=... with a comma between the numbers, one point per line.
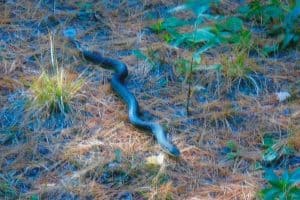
x=93, y=152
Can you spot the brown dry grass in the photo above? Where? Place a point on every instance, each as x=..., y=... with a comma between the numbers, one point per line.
x=77, y=155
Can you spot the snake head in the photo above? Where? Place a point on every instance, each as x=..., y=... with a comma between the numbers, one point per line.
x=162, y=139
x=170, y=149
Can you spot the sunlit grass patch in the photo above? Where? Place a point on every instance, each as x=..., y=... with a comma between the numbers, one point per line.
x=239, y=65
x=54, y=90
x=241, y=71
x=54, y=93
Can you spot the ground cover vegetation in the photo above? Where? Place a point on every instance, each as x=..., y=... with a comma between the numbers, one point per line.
x=221, y=76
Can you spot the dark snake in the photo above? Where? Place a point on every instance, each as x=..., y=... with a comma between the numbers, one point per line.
x=117, y=83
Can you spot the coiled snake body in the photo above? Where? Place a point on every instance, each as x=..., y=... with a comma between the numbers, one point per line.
x=117, y=83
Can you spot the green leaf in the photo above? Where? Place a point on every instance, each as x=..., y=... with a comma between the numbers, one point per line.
x=198, y=10
x=257, y=166
x=118, y=155
x=86, y=6
x=267, y=49
x=285, y=176
x=232, y=24
x=271, y=177
x=270, y=193
x=201, y=35
x=288, y=38
x=174, y=22
x=158, y=26
x=291, y=21
x=231, y=155
x=206, y=17
x=268, y=141
x=294, y=193
x=167, y=37
x=282, y=196
x=287, y=151
x=272, y=12
x=225, y=36
x=179, y=40
x=295, y=177
x=242, y=39
x=140, y=55
x=34, y=197
x=244, y=10
x=197, y=54
x=270, y=155
x=232, y=145
x=183, y=66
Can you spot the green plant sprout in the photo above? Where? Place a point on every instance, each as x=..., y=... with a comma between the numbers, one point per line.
x=282, y=19
x=198, y=33
x=285, y=187
x=274, y=149
x=199, y=39
x=234, y=150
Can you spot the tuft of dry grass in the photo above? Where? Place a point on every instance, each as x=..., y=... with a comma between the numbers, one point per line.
x=54, y=93
x=238, y=65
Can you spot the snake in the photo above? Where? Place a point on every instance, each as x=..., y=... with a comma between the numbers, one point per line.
x=117, y=84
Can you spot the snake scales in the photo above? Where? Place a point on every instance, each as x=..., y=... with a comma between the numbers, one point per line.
x=117, y=83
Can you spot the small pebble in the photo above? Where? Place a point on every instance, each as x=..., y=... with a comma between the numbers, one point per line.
x=282, y=96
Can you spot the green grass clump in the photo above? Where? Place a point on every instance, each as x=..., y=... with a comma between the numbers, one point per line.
x=237, y=66
x=54, y=93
